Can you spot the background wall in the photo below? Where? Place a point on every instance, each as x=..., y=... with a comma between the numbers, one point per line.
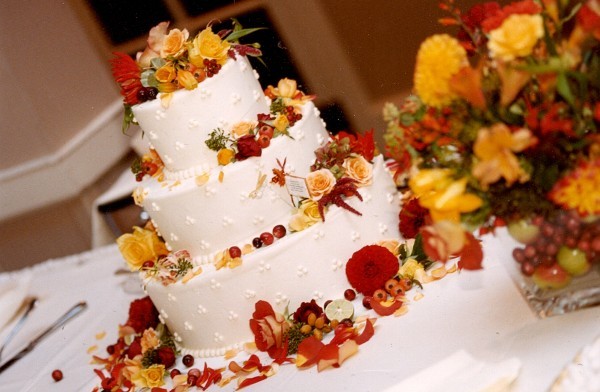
x=60, y=112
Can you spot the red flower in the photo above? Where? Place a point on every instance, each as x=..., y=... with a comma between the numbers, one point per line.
x=589, y=20
x=126, y=72
x=524, y=7
x=306, y=308
x=134, y=349
x=166, y=356
x=360, y=144
x=247, y=147
x=412, y=217
x=142, y=315
x=370, y=267
x=472, y=21
x=269, y=328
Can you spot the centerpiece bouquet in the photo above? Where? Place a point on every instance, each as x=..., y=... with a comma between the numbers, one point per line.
x=502, y=129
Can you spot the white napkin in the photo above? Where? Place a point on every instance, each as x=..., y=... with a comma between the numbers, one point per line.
x=13, y=291
x=461, y=372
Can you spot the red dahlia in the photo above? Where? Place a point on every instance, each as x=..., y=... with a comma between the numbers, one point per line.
x=306, y=308
x=142, y=315
x=370, y=267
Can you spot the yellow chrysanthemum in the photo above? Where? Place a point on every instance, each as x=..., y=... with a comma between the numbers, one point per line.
x=440, y=57
x=580, y=189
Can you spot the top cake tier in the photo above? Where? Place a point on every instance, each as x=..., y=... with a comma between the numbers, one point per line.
x=178, y=131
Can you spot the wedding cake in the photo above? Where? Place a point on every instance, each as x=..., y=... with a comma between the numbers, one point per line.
x=249, y=197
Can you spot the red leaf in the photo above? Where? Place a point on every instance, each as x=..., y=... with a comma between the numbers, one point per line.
x=471, y=254
x=251, y=381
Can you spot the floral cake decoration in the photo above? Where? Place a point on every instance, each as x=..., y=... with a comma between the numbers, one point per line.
x=172, y=61
x=503, y=128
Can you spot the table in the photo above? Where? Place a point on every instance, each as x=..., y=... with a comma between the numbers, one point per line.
x=480, y=312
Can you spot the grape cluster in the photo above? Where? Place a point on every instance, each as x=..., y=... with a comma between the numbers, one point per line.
x=565, y=240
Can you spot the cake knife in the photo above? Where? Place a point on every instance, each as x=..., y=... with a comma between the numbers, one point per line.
x=74, y=311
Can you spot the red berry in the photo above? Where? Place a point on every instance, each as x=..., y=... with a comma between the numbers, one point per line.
x=379, y=295
x=406, y=284
x=527, y=268
x=148, y=264
x=257, y=242
x=396, y=290
x=266, y=130
x=194, y=372
x=188, y=360
x=518, y=255
x=234, y=252
x=57, y=375
x=367, y=302
x=264, y=141
x=390, y=284
x=267, y=238
x=349, y=294
x=174, y=372
x=279, y=231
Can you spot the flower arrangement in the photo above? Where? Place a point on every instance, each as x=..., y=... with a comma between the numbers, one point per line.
x=503, y=128
x=172, y=61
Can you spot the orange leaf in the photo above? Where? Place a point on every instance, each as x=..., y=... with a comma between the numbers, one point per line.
x=467, y=84
x=367, y=333
x=385, y=308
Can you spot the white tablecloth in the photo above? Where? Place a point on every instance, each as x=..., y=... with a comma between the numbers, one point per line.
x=480, y=313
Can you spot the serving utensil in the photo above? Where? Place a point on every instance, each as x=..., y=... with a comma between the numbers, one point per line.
x=74, y=311
x=30, y=304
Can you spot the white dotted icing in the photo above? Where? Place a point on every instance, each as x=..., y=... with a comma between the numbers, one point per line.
x=256, y=95
x=227, y=221
x=152, y=135
x=179, y=146
x=201, y=309
x=174, y=237
x=336, y=264
x=232, y=315
x=154, y=206
x=218, y=337
x=160, y=114
x=235, y=98
x=263, y=266
x=163, y=314
x=258, y=220
x=390, y=197
x=212, y=352
x=168, y=159
x=189, y=220
x=204, y=245
x=318, y=235
x=177, y=337
x=210, y=191
x=301, y=271
x=355, y=235
x=249, y=294
x=187, y=326
x=171, y=297
x=367, y=197
x=243, y=65
x=214, y=284
x=222, y=123
x=204, y=93
x=256, y=75
x=383, y=228
x=192, y=123
x=280, y=298
x=317, y=295
x=299, y=134
x=320, y=139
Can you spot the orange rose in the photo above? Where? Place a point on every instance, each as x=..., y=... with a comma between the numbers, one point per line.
x=359, y=169
x=320, y=182
x=153, y=45
x=173, y=42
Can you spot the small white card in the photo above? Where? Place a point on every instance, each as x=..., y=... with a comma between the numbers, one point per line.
x=296, y=186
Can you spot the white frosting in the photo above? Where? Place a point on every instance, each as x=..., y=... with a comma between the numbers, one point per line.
x=294, y=269
x=233, y=206
x=178, y=132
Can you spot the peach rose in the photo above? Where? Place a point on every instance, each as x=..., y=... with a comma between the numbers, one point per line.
x=391, y=245
x=242, y=128
x=153, y=44
x=516, y=37
x=173, y=42
x=359, y=169
x=208, y=45
x=320, y=182
x=149, y=340
x=443, y=239
x=287, y=88
x=139, y=247
x=269, y=328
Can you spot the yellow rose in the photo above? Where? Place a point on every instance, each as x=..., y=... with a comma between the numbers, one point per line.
x=139, y=247
x=208, y=45
x=320, y=182
x=173, y=42
x=225, y=156
x=281, y=123
x=186, y=79
x=307, y=215
x=165, y=74
x=242, y=128
x=359, y=169
x=516, y=37
x=410, y=268
x=286, y=88
x=151, y=377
